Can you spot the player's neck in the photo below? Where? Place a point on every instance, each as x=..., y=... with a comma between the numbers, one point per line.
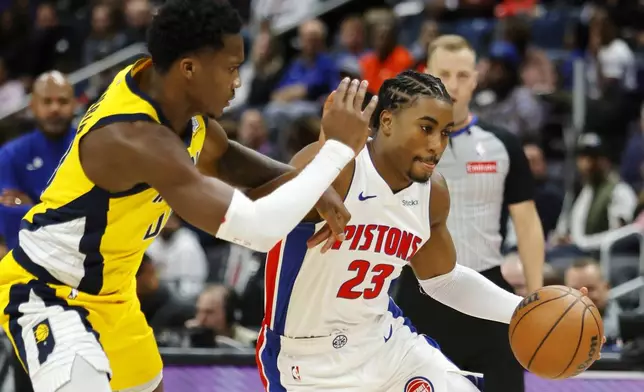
x=386, y=169
x=161, y=89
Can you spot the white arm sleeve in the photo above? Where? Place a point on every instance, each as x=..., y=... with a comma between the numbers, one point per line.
x=471, y=293
x=260, y=224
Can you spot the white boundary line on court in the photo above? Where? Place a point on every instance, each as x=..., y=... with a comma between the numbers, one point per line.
x=613, y=375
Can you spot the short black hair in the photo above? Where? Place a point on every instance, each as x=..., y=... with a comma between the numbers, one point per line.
x=182, y=27
x=402, y=91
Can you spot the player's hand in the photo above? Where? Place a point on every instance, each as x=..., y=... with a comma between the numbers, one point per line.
x=332, y=209
x=13, y=198
x=343, y=118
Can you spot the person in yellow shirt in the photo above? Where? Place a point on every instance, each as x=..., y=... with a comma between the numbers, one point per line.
x=68, y=290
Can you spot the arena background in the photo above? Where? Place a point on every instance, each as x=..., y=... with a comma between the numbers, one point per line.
x=90, y=40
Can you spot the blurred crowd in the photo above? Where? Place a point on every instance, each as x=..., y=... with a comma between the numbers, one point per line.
x=197, y=291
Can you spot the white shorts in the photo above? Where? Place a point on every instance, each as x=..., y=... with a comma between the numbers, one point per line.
x=388, y=356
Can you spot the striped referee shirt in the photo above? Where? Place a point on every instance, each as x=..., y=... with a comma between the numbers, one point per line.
x=486, y=170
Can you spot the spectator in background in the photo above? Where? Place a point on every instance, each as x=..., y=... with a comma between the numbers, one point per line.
x=307, y=79
x=612, y=63
x=512, y=270
x=501, y=100
x=587, y=273
x=161, y=308
x=252, y=133
x=428, y=32
x=388, y=58
x=267, y=66
x=54, y=45
x=138, y=15
x=179, y=258
x=27, y=163
x=14, y=38
x=632, y=158
x=352, y=40
x=313, y=73
x=104, y=38
x=217, y=312
x=12, y=91
x=605, y=202
x=548, y=196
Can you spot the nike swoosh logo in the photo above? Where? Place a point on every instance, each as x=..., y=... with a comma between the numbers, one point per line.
x=362, y=197
x=391, y=330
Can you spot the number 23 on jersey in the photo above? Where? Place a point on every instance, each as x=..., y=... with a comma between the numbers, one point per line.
x=377, y=274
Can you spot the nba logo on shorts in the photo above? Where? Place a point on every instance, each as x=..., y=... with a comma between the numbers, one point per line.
x=419, y=384
x=295, y=372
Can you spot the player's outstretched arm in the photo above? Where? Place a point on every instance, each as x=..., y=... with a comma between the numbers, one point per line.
x=452, y=284
x=121, y=155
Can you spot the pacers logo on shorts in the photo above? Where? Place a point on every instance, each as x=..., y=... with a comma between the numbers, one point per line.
x=41, y=333
x=419, y=384
x=44, y=340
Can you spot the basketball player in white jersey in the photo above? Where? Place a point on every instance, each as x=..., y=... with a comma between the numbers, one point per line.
x=330, y=324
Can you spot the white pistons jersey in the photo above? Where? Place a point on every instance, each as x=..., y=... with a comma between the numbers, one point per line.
x=310, y=294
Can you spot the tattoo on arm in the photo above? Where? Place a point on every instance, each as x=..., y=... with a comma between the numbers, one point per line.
x=243, y=167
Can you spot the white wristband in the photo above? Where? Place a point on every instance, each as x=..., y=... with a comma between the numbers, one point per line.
x=338, y=153
x=259, y=225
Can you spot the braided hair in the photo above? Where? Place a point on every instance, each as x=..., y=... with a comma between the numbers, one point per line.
x=403, y=90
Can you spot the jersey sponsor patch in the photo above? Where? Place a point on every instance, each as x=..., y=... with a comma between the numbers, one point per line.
x=419, y=384
x=481, y=167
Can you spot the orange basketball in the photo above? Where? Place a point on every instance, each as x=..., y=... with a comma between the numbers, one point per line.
x=556, y=332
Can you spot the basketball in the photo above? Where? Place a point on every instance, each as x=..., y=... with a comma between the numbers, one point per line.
x=556, y=332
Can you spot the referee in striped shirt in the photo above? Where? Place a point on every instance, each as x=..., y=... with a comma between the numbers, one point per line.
x=486, y=170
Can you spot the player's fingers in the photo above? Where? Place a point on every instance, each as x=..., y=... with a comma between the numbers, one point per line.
x=336, y=225
x=368, y=111
x=327, y=245
x=320, y=236
x=584, y=291
x=341, y=93
x=329, y=101
x=362, y=92
x=351, y=94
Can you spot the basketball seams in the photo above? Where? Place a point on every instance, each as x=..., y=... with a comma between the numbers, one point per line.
x=599, y=329
x=536, y=351
x=581, y=336
x=533, y=308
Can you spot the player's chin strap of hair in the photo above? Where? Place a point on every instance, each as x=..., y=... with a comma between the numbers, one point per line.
x=260, y=224
x=471, y=293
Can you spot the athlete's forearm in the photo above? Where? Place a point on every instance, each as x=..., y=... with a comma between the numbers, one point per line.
x=260, y=224
x=531, y=246
x=471, y=293
x=246, y=168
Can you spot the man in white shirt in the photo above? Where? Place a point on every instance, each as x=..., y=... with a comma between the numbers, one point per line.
x=605, y=202
x=180, y=259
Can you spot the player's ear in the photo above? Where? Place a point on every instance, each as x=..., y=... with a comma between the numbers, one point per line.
x=187, y=67
x=385, y=122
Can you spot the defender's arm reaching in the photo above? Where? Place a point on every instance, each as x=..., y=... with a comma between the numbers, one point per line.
x=119, y=156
